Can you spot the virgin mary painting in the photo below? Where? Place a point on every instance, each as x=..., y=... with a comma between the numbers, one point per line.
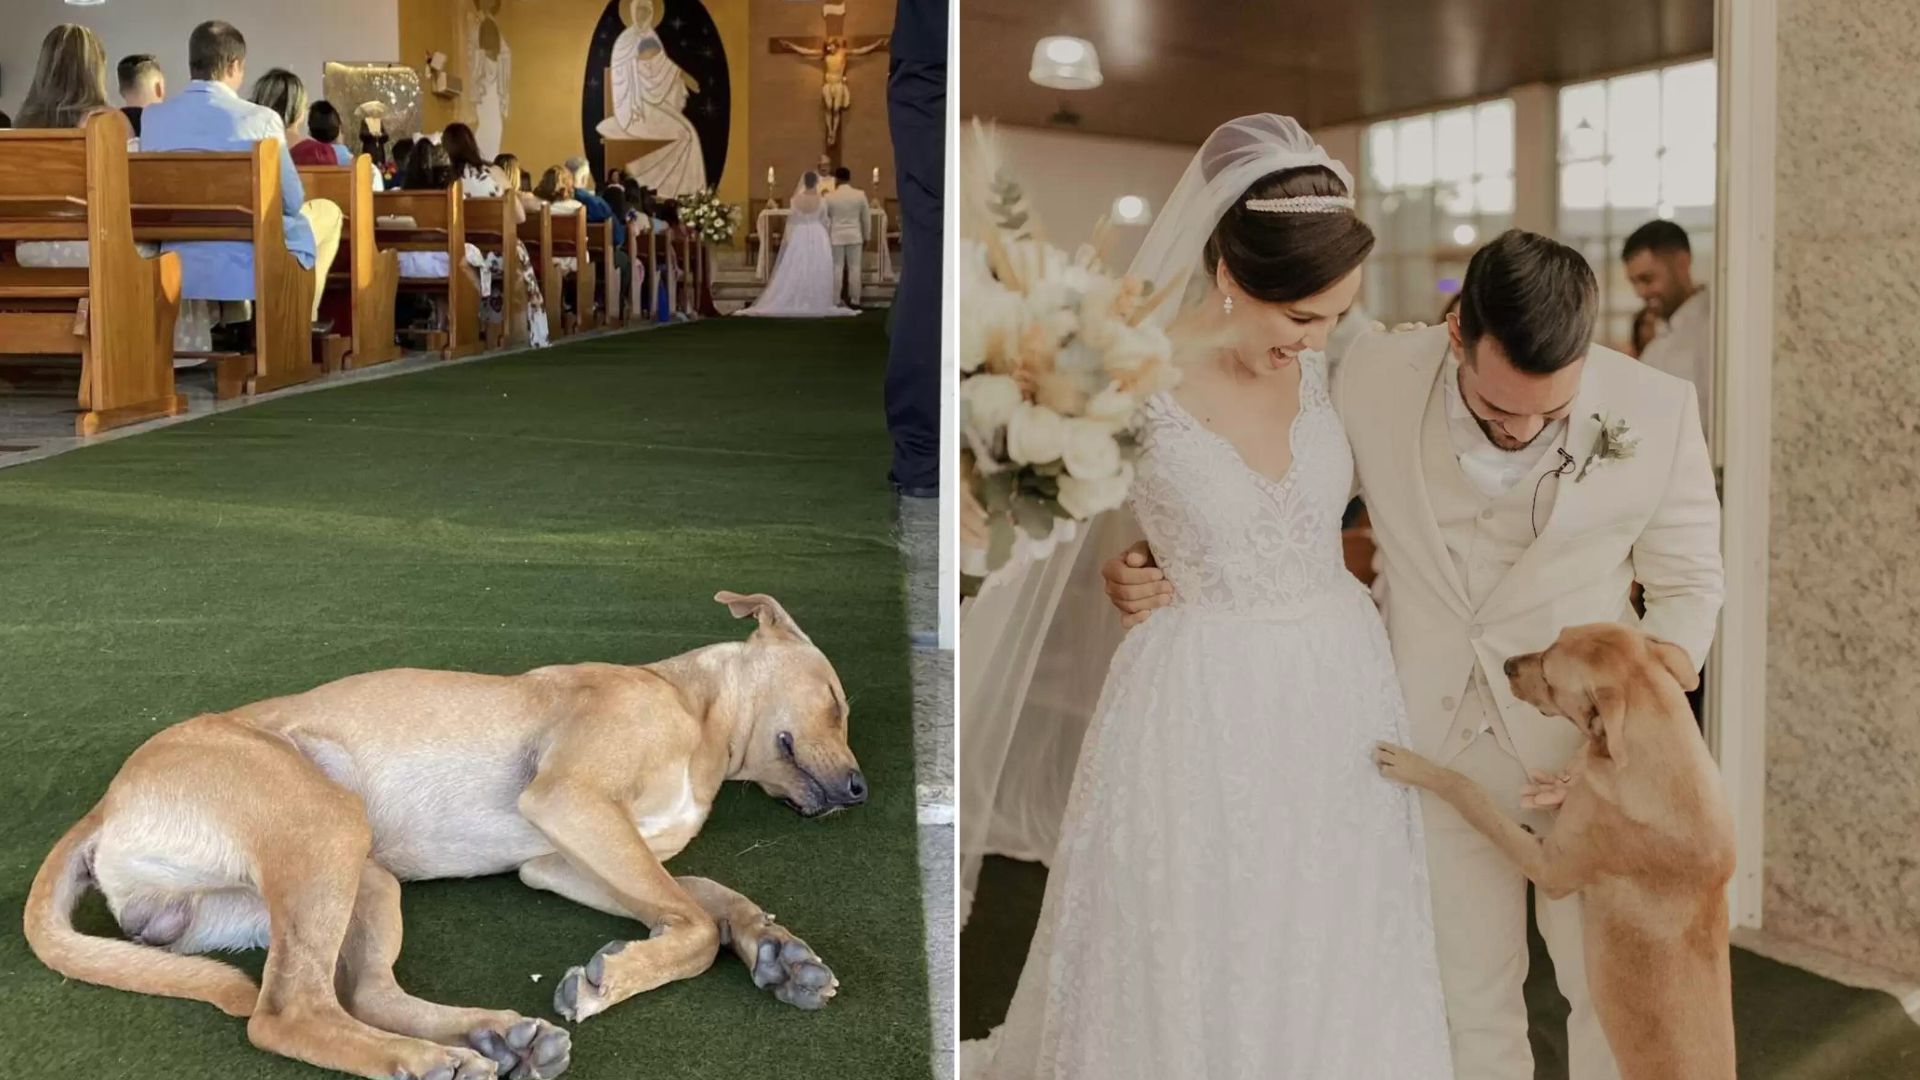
x=649, y=95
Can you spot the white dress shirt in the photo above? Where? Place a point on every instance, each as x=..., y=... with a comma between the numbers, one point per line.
x=1686, y=351
x=1491, y=470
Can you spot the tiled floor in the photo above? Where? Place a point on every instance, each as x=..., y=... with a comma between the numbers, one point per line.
x=933, y=717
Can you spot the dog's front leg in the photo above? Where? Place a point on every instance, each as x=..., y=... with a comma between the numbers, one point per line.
x=592, y=831
x=779, y=960
x=1551, y=866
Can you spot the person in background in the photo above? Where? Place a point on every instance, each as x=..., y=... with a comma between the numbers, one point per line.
x=142, y=83
x=209, y=115
x=1646, y=327
x=283, y=92
x=518, y=182
x=402, y=150
x=556, y=190
x=849, y=228
x=322, y=147
x=824, y=168
x=917, y=117
x=428, y=168
x=598, y=211
x=69, y=86
x=1659, y=262
x=375, y=146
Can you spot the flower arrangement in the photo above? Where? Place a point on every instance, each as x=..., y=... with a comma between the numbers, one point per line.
x=1056, y=360
x=714, y=221
x=1615, y=441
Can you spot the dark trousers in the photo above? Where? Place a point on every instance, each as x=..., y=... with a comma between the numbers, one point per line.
x=917, y=111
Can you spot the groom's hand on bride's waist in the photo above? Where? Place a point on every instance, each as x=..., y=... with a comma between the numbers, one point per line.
x=1136, y=584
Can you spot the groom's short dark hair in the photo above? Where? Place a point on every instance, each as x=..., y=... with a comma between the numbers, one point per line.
x=1535, y=296
x=843, y=175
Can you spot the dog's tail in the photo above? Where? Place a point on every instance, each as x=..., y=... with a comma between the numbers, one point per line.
x=124, y=965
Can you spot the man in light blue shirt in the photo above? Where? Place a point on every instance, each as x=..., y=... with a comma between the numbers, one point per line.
x=210, y=115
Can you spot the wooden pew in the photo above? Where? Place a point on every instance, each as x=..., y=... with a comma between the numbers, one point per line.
x=570, y=239
x=537, y=233
x=436, y=221
x=491, y=228
x=194, y=195
x=639, y=298
x=600, y=242
x=370, y=276
x=118, y=313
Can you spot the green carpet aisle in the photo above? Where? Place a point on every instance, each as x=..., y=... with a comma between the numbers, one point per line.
x=581, y=503
x=1790, y=1025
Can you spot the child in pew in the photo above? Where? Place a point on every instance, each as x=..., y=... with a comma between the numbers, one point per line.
x=69, y=85
x=482, y=180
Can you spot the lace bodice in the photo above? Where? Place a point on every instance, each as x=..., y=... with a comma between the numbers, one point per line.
x=1230, y=538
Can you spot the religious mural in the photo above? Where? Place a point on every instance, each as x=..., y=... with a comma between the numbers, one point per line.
x=658, y=97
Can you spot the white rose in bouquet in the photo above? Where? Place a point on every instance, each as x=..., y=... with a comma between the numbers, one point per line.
x=991, y=401
x=1091, y=452
x=1036, y=435
x=1085, y=498
x=990, y=332
x=1137, y=348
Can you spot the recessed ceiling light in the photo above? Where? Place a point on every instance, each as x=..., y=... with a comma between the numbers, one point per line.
x=1065, y=63
x=1464, y=234
x=85, y=3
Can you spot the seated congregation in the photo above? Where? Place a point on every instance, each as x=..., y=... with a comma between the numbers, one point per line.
x=238, y=237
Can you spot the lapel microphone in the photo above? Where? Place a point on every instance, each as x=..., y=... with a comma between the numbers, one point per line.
x=1565, y=467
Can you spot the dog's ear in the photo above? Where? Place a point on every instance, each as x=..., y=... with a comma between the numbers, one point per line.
x=1610, y=709
x=1675, y=660
x=773, y=618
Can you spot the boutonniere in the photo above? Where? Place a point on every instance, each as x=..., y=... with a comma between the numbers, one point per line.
x=1615, y=442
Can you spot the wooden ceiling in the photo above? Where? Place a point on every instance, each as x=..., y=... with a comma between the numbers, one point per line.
x=1176, y=68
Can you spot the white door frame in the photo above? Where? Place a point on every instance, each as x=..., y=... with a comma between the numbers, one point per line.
x=1746, y=44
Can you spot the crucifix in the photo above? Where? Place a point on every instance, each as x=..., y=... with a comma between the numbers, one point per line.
x=833, y=50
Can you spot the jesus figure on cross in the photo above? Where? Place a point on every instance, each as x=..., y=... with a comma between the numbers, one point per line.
x=833, y=52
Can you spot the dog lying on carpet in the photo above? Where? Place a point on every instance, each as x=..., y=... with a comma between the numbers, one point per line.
x=291, y=822
x=1643, y=833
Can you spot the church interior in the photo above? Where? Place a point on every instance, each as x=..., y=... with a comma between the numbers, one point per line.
x=509, y=422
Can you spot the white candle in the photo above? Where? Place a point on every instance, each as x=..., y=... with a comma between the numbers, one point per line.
x=769, y=178
x=876, y=177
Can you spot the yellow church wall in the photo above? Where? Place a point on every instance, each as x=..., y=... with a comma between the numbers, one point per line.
x=550, y=43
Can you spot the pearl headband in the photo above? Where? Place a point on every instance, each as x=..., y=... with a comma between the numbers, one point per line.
x=1301, y=204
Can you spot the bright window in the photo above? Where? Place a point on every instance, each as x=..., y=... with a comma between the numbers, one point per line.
x=1436, y=187
x=1633, y=148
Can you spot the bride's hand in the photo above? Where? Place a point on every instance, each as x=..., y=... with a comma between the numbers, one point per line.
x=1136, y=585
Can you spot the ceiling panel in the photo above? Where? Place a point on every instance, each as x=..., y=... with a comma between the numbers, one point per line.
x=1175, y=68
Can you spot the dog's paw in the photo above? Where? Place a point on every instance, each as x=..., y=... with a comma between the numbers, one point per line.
x=527, y=1050
x=1401, y=765
x=582, y=992
x=448, y=1063
x=794, y=972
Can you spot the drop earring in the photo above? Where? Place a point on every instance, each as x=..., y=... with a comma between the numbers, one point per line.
x=1226, y=305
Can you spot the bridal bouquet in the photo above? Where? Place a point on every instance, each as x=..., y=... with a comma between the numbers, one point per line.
x=1056, y=359
x=713, y=220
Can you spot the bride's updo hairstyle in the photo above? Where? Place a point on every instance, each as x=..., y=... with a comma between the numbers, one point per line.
x=1280, y=256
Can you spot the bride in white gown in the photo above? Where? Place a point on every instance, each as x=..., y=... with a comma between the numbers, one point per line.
x=1235, y=893
x=803, y=283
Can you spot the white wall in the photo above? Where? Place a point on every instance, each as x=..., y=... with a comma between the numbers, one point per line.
x=301, y=35
x=1072, y=179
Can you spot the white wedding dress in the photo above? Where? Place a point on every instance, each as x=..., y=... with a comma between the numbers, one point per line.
x=803, y=284
x=1236, y=893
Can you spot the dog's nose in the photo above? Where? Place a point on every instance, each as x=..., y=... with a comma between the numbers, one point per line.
x=1511, y=667
x=856, y=792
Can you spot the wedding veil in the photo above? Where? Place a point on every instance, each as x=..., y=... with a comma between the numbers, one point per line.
x=1036, y=643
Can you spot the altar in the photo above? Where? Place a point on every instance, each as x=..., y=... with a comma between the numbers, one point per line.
x=764, y=234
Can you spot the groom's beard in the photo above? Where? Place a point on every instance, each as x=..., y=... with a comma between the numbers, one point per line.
x=1504, y=441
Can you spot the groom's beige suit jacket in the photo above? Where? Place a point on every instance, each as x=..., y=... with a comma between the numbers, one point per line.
x=1652, y=518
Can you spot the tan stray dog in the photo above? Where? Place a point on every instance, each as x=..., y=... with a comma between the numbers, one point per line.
x=291, y=822
x=1643, y=834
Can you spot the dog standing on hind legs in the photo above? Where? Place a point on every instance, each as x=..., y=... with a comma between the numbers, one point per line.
x=290, y=823
x=1643, y=834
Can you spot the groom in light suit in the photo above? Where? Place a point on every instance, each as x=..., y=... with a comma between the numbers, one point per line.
x=848, y=225
x=1502, y=515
